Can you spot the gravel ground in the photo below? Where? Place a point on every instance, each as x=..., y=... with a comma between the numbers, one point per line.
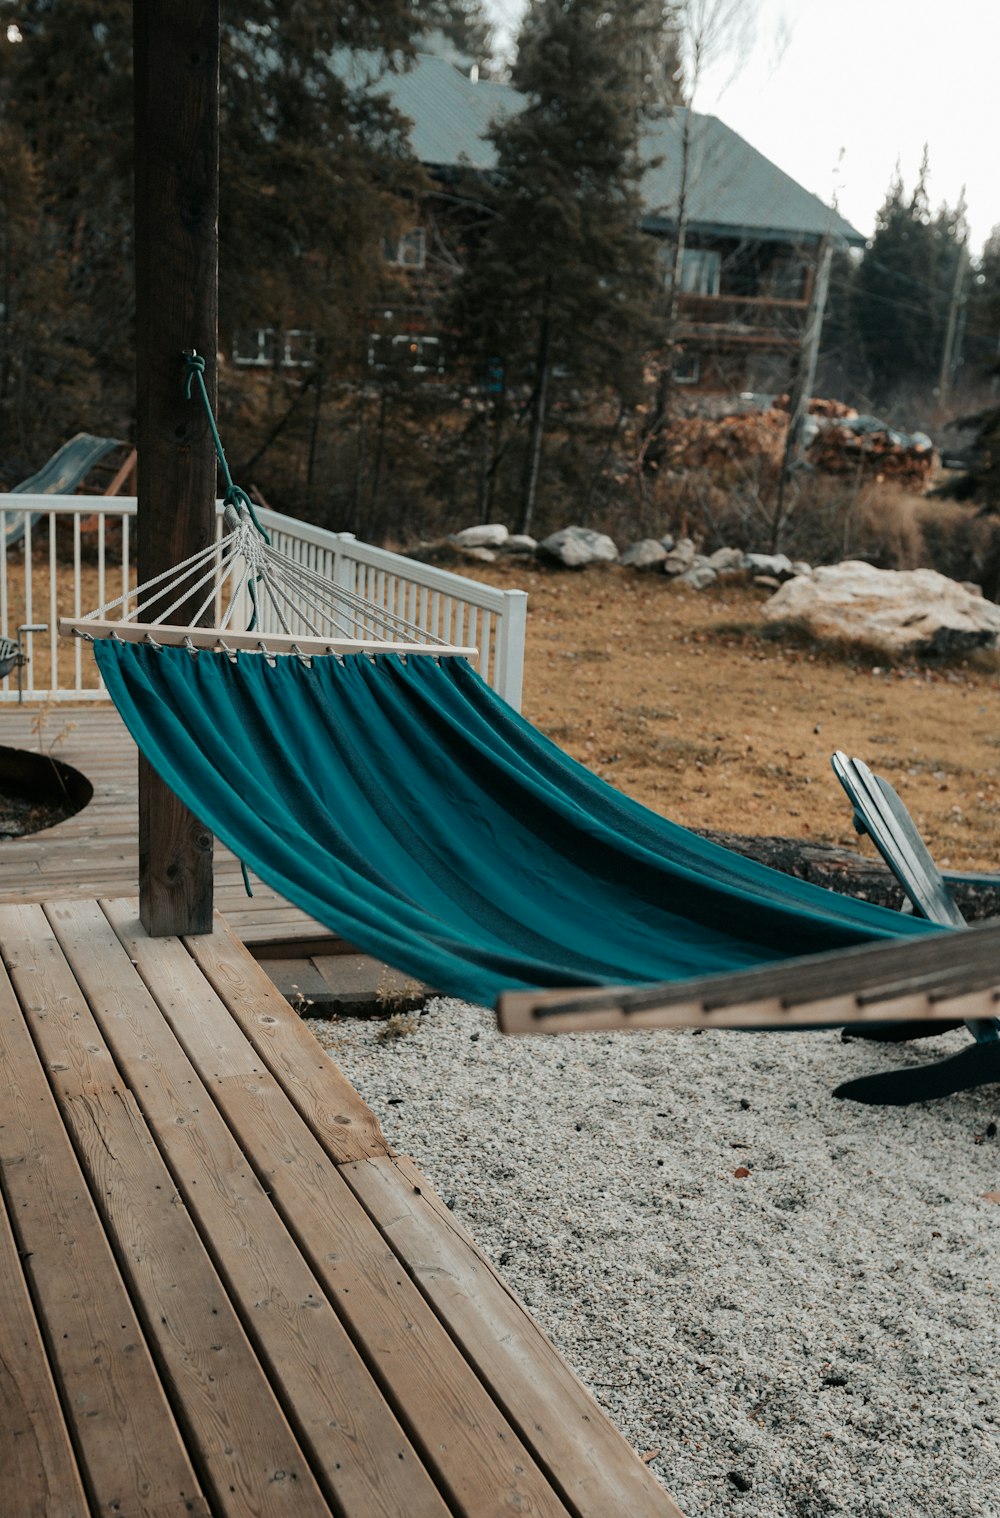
x=791, y=1300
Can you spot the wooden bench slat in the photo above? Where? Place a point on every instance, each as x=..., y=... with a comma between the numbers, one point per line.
x=359, y=1450
x=582, y=1452
x=237, y=1432
x=481, y=1465
x=129, y=1446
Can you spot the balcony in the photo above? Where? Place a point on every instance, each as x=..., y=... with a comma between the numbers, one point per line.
x=736, y=321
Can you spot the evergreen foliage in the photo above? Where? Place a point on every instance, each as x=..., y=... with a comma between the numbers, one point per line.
x=560, y=288
x=466, y=25
x=47, y=380
x=316, y=169
x=982, y=338
x=903, y=290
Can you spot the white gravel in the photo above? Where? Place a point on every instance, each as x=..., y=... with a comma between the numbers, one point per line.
x=818, y=1337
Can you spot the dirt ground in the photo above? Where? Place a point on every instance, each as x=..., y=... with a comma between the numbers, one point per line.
x=678, y=698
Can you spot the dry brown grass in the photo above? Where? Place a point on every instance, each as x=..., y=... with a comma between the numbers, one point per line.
x=679, y=699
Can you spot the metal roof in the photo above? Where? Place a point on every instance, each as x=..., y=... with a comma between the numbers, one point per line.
x=734, y=190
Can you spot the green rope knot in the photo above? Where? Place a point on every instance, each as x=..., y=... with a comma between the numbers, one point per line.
x=195, y=370
x=195, y=365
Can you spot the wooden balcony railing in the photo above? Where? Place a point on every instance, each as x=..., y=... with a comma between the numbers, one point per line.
x=735, y=320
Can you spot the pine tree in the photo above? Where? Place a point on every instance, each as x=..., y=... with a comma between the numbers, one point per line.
x=982, y=336
x=68, y=96
x=559, y=289
x=315, y=166
x=904, y=287
x=466, y=25
x=842, y=371
x=46, y=377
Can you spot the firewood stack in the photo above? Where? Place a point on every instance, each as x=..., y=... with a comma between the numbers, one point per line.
x=878, y=455
x=845, y=444
x=701, y=442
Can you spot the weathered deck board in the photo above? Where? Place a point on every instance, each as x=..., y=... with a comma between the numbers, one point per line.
x=38, y=1471
x=222, y=1292
x=339, y=1414
x=96, y=852
x=121, y=1421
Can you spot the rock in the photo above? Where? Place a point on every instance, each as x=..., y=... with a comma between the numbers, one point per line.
x=903, y=611
x=480, y=555
x=520, y=542
x=489, y=535
x=800, y=567
x=644, y=554
x=578, y=546
x=667, y=540
x=680, y=557
x=698, y=576
x=727, y=559
x=767, y=582
x=777, y=564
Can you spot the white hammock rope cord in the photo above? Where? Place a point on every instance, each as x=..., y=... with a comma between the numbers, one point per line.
x=242, y=568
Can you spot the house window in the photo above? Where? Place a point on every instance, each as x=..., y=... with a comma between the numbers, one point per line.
x=260, y=348
x=686, y=369
x=253, y=347
x=701, y=271
x=406, y=351
x=298, y=349
x=408, y=251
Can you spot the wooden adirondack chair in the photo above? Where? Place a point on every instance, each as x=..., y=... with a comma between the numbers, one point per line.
x=879, y=812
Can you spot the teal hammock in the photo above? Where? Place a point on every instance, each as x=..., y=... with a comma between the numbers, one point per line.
x=405, y=806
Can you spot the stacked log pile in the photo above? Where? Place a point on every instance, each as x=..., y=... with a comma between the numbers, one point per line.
x=696, y=442
x=843, y=444
x=878, y=455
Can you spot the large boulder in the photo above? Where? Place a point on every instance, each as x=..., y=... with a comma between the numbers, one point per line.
x=903, y=611
x=727, y=560
x=576, y=547
x=700, y=575
x=777, y=564
x=680, y=558
x=488, y=535
x=648, y=553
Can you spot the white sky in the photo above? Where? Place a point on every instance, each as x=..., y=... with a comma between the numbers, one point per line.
x=836, y=93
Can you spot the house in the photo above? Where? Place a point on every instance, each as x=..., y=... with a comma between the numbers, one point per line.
x=751, y=231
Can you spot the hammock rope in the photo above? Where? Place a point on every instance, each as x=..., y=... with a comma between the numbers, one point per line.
x=255, y=589
x=234, y=496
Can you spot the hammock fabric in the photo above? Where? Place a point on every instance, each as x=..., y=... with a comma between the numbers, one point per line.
x=413, y=812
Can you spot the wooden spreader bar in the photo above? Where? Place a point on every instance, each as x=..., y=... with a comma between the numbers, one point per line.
x=267, y=643
x=942, y=976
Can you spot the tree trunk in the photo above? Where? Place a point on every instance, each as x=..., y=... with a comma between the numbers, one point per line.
x=665, y=382
x=538, y=416
x=802, y=386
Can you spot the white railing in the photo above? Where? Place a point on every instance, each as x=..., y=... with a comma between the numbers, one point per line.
x=78, y=553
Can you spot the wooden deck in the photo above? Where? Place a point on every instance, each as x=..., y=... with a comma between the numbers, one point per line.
x=95, y=853
x=220, y=1291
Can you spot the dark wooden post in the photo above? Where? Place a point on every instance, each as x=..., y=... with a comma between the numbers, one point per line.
x=176, y=61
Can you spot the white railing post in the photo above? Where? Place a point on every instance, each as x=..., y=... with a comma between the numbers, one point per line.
x=508, y=656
